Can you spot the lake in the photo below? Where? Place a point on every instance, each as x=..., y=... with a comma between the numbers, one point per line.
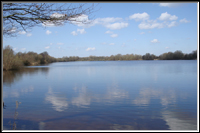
x=102, y=95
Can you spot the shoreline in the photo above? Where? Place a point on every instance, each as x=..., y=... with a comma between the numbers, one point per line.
x=92, y=60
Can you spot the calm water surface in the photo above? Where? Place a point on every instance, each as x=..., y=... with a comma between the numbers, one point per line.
x=97, y=95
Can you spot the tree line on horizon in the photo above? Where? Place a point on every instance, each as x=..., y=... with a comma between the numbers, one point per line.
x=12, y=60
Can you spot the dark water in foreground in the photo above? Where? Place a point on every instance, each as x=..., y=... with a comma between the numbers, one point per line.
x=122, y=95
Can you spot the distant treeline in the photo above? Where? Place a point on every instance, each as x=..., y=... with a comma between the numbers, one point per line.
x=12, y=60
x=177, y=55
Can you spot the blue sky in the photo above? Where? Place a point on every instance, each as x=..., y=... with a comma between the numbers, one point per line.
x=117, y=28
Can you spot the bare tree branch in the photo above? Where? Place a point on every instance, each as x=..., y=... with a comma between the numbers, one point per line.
x=22, y=16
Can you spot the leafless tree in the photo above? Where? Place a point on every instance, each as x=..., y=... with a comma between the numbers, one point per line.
x=18, y=17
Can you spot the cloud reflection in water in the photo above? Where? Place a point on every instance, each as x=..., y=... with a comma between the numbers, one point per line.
x=115, y=93
x=83, y=100
x=179, y=121
x=176, y=120
x=17, y=92
x=147, y=94
x=59, y=102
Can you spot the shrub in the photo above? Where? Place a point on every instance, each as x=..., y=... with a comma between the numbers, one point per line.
x=10, y=60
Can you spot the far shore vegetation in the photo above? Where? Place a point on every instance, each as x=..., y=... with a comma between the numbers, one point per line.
x=13, y=61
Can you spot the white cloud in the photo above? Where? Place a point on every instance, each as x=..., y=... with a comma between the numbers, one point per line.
x=139, y=16
x=84, y=22
x=100, y=21
x=81, y=31
x=155, y=41
x=74, y=33
x=47, y=47
x=56, y=23
x=150, y=24
x=107, y=20
x=114, y=35
x=165, y=16
x=117, y=26
x=166, y=47
x=81, y=20
x=174, y=17
x=108, y=32
x=111, y=44
x=184, y=20
x=22, y=32
x=28, y=34
x=170, y=4
x=14, y=29
x=104, y=21
x=60, y=43
x=90, y=49
x=57, y=15
x=48, y=24
x=48, y=32
x=172, y=24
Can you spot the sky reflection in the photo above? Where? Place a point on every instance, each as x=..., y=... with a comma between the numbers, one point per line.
x=118, y=95
x=15, y=93
x=83, y=99
x=179, y=122
x=166, y=97
x=59, y=102
x=114, y=92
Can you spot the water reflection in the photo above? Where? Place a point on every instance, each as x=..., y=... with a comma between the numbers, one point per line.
x=112, y=95
x=83, y=99
x=41, y=125
x=9, y=77
x=114, y=92
x=91, y=71
x=29, y=89
x=126, y=97
x=175, y=118
x=10, y=94
x=179, y=120
x=17, y=92
x=58, y=101
x=147, y=94
x=13, y=125
x=122, y=127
